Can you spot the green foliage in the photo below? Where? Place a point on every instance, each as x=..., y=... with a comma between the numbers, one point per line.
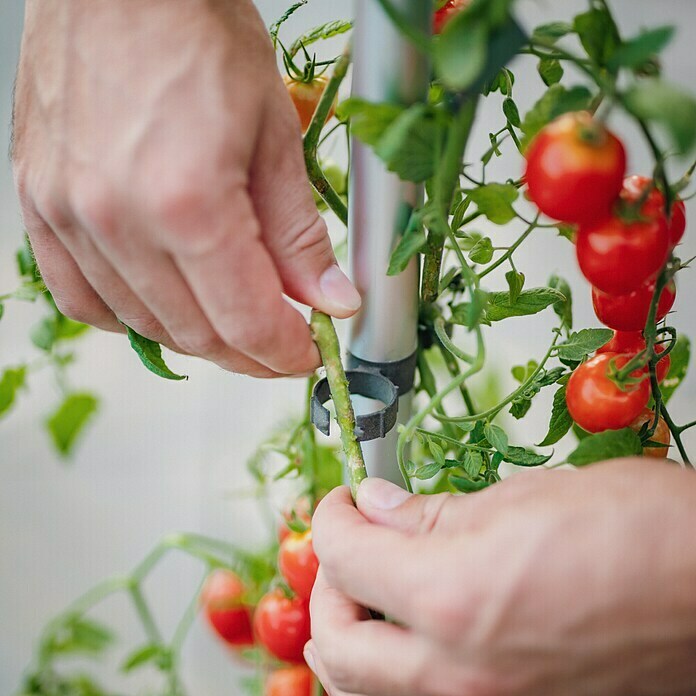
x=658, y=102
x=495, y=201
x=635, y=52
x=557, y=100
x=550, y=71
x=611, y=444
x=67, y=423
x=564, y=307
x=679, y=357
x=561, y=420
x=528, y=302
x=598, y=34
x=149, y=654
x=11, y=381
x=150, y=354
x=324, y=31
x=581, y=343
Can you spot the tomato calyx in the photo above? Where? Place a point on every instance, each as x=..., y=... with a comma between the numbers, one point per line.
x=308, y=73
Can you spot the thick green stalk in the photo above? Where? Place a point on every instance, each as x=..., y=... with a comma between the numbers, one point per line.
x=445, y=184
x=313, y=134
x=325, y=337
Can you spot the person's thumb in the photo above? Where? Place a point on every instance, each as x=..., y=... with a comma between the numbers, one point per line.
x=384, y=503
x=293, y=232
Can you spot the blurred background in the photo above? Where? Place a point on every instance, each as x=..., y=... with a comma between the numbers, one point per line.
x=164, y=456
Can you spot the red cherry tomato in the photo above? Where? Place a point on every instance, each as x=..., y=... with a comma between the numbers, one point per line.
x=305, y=97
x=448, y=11
x=654, y=205
x=282, y=625
x=297, y=680
x=661, y=434
x=301, y=510
x=575, y=168
x=298, y=564
x=222, y=600
x=596, y=403
x=631, y=343
x=630, y=312
x=618, y=257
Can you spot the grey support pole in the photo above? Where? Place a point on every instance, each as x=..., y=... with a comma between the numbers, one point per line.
x=386, y=68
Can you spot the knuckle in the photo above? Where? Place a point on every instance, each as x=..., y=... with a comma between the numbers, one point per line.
x=446, y=612
x=75, y=309
x=94, y=206
x=311, y=241
x=204, y=343
x=149, y=327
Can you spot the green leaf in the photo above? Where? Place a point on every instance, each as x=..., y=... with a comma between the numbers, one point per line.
x=472, y=462
x=637, y=51
x=679, y=357
x=529, y=302
x=150, y=354
x=26, y=263
x=564, y=307
x=522, y=373
x=410, y=244
x=610, y=444
x=427, y=471
x=550, y=71
x=598, y=34
x=566, y=231
x=470, y=313
x=512, y=113
x=660, y=103
x=497, y=437
x=2, y=309
x=555, y=101
x=466, y=485
x=520, y=408
x=29, y=290
x=11, y=381
x=148, y=654
x=581, y=343
x=482, y=251
x=515, y=281
x=524, y=457
x=78, y=635
x=275, y=27
x=408, y=145
x=460, y=53
x=550, y=33
x=323, y=31
x=437, y=452
x=495, y=201
x=69, y=420
x=560, y=422
x=368, y=121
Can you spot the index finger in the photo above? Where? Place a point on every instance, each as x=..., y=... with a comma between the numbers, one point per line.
x=237, y=285
x=378, y=567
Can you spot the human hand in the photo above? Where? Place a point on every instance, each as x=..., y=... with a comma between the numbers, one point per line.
x=158, y=161
x=555, y=582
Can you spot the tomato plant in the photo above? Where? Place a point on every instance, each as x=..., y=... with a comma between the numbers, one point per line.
x=618, y=258
x=575, y=167
x=281, y=625
x=290, y=681
x=596, y=403
x=557, y=159
x=629, y=312
x=222, y=598
x=298, y=564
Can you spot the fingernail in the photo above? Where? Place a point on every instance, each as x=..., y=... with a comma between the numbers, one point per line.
x=309, y=657
x=336, y=287
x=381, y=495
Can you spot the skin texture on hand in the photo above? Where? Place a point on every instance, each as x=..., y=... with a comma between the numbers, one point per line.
x=159, y=165
x=553, y=582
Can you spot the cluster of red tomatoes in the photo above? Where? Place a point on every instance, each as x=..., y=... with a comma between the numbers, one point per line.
x=576, y=174
x=279, y=623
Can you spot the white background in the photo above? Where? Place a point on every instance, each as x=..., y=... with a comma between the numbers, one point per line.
x=165, y=456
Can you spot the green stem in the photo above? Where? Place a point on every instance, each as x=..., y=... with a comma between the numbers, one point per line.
x=511, y=250
x=407, y=433
x=492, y=412
x=313, y=134
x=324, y=335
x=454, y=371
x=186, y=621
x=144, y=614
x=444, y=186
